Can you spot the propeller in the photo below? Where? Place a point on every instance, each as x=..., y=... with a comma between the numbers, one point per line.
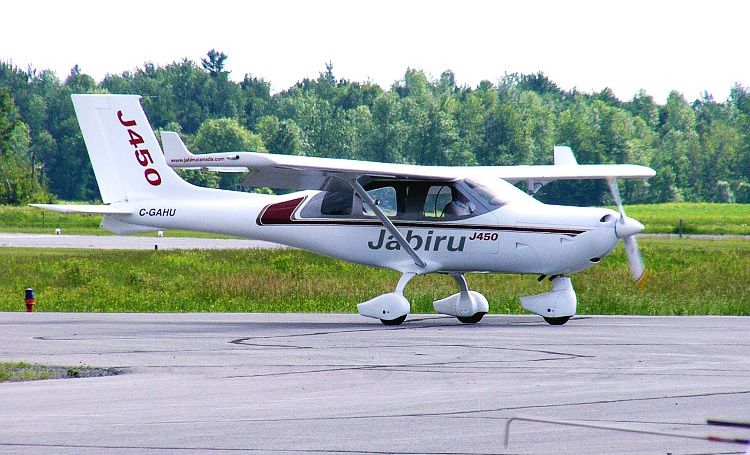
x=626, y=228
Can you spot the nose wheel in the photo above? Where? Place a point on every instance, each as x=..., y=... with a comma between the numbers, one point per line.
x=557, y=321
x=396, y=321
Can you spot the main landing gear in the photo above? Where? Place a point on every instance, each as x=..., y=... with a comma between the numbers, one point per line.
x=556, y=306
x=468, y=306
x=390, y=308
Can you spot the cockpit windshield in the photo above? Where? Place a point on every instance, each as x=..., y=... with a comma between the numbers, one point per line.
x=497, y=192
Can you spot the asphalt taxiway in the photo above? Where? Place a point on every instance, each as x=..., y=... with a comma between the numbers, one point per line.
x=333, y=384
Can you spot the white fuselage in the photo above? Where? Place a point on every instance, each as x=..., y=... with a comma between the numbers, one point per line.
x=515, y=238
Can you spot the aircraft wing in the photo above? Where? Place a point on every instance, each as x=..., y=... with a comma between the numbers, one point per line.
x=305, y=172
x=564, y=172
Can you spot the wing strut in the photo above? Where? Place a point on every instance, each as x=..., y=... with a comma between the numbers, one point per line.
x=386, y=222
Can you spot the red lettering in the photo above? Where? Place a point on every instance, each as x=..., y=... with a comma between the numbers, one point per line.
x=143, y=157
x=125, y=122
x=135, y=138
x=153, y=177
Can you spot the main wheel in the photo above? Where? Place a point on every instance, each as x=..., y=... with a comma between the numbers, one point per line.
x=396, y=321
x=473, y=319
x=557, y=321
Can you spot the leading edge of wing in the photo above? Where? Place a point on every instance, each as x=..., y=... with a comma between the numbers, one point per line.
x=564, y=172
x=290, y=165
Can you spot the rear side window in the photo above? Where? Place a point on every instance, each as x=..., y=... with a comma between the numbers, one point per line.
x=337, y=203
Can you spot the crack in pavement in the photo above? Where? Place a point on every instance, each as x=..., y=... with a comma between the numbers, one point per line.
x=459, y=414
x=409, y=367
x=242, y=342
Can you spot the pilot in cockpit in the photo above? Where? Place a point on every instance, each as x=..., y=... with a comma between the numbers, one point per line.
x=459, y=206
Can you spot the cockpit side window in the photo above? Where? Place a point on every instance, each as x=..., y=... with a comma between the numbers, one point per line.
x=438, y=196
x=418, y=200
x=385, y=198
x=401, y=199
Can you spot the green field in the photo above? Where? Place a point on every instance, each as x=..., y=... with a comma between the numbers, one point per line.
x=686, y=277
x=24, y=371
x=698, y=218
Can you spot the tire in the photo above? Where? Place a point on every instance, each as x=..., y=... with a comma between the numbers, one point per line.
x=396, y=321
x=473, y=319
x=557, y=321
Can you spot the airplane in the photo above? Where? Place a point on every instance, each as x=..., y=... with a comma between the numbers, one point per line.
x=409, y=218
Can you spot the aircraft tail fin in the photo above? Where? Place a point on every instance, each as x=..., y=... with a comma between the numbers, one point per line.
x=564, y=156
x=175, y=150
x=125, y=154
x=179, y=157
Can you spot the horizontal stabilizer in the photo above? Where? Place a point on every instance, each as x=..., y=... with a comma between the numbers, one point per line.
x=83, y=208
x=121, y=227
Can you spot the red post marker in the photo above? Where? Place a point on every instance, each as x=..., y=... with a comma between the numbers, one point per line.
x=30, y=300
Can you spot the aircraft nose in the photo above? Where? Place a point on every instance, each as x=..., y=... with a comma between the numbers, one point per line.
x=626, y=226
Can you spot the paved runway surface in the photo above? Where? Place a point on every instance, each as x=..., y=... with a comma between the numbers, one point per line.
x=343, y=384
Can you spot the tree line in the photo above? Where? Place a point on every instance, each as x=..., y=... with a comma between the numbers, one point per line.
x=700, y=150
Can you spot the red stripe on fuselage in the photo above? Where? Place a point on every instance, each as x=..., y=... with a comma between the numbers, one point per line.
x=280, y=213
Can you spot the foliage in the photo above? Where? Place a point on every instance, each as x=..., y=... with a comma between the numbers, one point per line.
x=685, y=277
x=20, y=181
x=24, y=371
x=700, y=149
x=222, y=135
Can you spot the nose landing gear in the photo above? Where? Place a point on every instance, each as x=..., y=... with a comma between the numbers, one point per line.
x=556, y=306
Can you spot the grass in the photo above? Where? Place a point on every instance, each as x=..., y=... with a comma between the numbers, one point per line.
x=698, y=218
x=21, y=371
x=24, y=371
x=687, y=276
